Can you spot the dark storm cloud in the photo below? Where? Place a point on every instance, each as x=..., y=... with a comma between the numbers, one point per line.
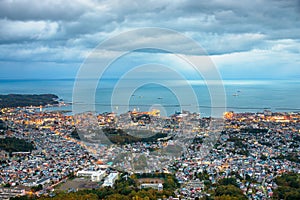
x=41, y=10
x=62, y=31
x=272, y=18
x=247, y=16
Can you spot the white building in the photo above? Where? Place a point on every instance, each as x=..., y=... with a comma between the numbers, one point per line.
x=36, y=182
x=93, y=175
x=110, y=179
x=157, y=186
x=7, y=193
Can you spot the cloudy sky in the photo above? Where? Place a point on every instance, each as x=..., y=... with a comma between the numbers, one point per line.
x=247, y=39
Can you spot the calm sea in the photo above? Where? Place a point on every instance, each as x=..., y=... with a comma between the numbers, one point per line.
x=241, y=95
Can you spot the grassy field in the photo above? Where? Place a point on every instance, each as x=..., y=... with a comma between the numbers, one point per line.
x=78, y=184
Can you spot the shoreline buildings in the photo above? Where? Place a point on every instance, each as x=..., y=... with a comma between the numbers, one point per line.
x=256, y=145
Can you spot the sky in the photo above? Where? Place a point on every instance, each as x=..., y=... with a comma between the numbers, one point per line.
x=247, y=39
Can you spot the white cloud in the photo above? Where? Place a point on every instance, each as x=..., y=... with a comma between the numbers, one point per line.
x=27, y=30
x=258, y=64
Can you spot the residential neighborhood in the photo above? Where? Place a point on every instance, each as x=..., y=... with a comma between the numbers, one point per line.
x=252, y=148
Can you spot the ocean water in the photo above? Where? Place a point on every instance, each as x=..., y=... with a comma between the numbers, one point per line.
x=241, y=95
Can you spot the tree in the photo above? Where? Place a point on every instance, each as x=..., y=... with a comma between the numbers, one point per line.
x=203, y=175
x=7, y=185
x=12, y=144
x=37, y=188
x=227, y=190
x=117, y=197
x=288, y=186
x=226, y=197
x=228, y=181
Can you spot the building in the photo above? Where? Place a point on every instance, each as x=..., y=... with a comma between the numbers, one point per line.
x=3, y=155
x=36, y=182
x=93, y=175
x=110, y=179
x=157, y=186
x=7, y=193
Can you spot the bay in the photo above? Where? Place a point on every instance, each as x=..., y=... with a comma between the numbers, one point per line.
x=241, y=95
